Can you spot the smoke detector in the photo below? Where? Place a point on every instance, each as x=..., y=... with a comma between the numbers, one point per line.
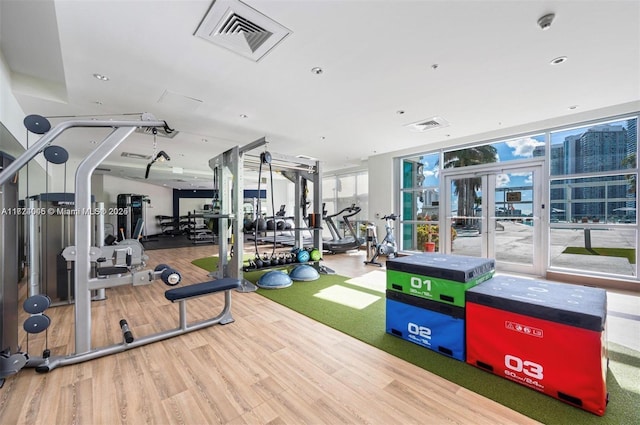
x=428, y=124
x=240, y=28
x=545, y=22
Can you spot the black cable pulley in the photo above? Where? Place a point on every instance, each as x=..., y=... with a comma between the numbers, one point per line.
x=37, y=124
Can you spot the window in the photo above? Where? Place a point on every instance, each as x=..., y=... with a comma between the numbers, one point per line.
x=593, y=197
x=593, y=149
x=502, y=151
x=592, y=193
x=420, y=199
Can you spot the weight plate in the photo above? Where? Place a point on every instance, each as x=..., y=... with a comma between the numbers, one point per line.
x=36, y=324
x=37, y=124
x=36, y=304
x=56, y=154
x=14, y=364
x=170, y=277
x=161, y=267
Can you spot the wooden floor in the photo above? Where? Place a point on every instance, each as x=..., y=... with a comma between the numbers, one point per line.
x=271, y=366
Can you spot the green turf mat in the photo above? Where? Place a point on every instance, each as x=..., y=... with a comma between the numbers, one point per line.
x=628, y=253
x=368, y=324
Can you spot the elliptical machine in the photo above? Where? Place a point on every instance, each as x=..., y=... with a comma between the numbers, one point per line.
x=388, y=245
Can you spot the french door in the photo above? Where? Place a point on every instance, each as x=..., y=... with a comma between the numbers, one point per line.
x=496, y=213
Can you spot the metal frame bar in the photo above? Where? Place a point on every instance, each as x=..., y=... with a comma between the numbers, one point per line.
x=229, y=167
x=224, y=317
x=83, y=253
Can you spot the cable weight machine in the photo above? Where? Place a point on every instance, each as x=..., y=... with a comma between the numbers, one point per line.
x=229, y=172
x=83, y=254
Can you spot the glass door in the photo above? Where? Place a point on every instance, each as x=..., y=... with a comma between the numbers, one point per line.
x=495, y=213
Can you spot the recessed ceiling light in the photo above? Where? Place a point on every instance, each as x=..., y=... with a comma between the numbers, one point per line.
x=97, y=102
x=434, y=66
x=558, y=60
x=400, y=112
x=573, y=107
x=317, y=70
x=101, y=77
x=244, y=116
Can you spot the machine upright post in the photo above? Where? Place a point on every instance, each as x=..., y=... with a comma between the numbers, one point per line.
x=83, y=235
x=34, y=249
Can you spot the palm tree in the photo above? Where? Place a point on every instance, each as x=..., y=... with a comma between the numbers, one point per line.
x=466, y=189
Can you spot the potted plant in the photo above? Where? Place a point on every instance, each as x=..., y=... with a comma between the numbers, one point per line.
x=428, y=237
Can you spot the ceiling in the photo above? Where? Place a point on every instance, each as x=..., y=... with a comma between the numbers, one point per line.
x=479, y=65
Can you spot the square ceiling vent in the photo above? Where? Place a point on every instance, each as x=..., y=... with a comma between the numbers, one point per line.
x=428, y=124
x=241, y=29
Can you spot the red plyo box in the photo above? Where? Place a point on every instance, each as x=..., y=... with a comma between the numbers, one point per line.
x=547, y=336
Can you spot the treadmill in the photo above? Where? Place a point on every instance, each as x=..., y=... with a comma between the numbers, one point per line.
x=348, y=242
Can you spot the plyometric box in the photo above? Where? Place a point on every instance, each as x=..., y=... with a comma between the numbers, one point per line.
x=438, y=277
x=436, y=326
x=547, y=336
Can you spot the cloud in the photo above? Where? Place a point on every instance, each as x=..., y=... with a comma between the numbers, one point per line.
x=502, y=180
x=523, y=147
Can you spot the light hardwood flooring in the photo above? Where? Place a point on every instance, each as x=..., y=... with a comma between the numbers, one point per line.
x=271, y=366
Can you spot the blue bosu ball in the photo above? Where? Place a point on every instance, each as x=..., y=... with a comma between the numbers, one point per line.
x=304, y=273
x=274, y=279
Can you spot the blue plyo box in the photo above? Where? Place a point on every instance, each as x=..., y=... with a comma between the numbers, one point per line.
x=433, y=325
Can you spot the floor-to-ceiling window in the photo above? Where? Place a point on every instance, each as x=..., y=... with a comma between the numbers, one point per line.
x=420, y=200
x=560, y=199
x=592, y=193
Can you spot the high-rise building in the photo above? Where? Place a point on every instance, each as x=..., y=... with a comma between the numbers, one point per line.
x=599, y=149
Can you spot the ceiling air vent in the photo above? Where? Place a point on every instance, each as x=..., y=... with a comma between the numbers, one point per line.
x=135, y=156
x=428, y=124
x=241, y=29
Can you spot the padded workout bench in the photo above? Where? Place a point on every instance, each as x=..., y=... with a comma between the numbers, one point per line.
x=185, y=293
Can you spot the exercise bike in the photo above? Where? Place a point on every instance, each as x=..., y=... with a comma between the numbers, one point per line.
x=388, y=245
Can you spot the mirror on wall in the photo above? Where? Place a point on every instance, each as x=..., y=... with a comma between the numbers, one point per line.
x=32, y=176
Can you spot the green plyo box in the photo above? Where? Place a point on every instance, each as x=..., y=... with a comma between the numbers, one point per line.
x=432, y=288
x=438, y=277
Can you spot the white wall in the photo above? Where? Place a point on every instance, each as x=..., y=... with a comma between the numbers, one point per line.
x=11, y=115
x=189, y=205
x=161, y=199
x=283, y=194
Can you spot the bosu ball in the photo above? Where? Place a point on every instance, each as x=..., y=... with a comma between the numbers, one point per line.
x=274, y=279
x=304, y=273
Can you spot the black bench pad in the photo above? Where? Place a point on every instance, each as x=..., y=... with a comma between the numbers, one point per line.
x=203, y=288
x=108, y=271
